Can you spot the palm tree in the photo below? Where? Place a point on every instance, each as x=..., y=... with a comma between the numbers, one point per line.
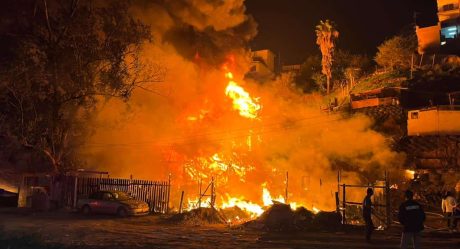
x=326, y=35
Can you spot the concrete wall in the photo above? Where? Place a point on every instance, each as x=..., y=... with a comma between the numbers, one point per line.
x=267, y=56
x=356, y=104
x=446, y=14
x=433, y=121
x=429, y=39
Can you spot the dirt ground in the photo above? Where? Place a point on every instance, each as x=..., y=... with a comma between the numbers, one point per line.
x=19, y=229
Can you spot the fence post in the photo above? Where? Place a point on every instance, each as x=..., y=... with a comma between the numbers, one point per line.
x=75, y=192
x=337, y=202
x=387, y=200
x=212, y=192
x=181, y=199
x=344, y=205
x=169, y=192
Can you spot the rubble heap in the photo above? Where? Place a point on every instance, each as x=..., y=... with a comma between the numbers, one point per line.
x=280, y=217
x=199, y=216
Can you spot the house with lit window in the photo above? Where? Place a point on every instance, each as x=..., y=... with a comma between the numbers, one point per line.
x=434, y=121
x=439, y=32
x=433, y=134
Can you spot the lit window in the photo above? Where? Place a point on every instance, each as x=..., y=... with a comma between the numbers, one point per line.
x=449, y=32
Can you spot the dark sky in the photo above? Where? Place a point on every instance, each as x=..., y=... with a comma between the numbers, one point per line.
x=288, y=26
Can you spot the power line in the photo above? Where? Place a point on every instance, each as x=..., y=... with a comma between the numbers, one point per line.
x=196, y=136
x=183, y=140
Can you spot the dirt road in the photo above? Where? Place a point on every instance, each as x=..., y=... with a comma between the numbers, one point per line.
x=68, y=230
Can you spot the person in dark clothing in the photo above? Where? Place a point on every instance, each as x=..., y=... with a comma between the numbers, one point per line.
x=412, y=217
x=367, y=213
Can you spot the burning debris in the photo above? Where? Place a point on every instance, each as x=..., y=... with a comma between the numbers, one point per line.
x=199, y=216
x=281, y=217
x=235, y=215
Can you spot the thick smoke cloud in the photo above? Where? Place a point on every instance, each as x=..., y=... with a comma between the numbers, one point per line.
x=180, y=124
x=205, y=30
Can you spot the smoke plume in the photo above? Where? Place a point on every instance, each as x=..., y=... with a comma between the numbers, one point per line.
x=187, y=127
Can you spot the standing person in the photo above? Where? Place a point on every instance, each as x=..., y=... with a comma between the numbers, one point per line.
x=449, y=206
x=367, y=214
x=412, y=217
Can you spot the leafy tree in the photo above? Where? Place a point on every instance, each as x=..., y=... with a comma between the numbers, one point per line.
x=58, y=57
x=348, y=67
x=326, y=36
x=309, y=67
x=396, y=52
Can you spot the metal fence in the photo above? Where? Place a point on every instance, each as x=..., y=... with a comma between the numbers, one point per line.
x=381, y=206
x=65, y=190
x=155, y=193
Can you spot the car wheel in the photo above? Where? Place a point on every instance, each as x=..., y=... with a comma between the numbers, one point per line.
x=122, y=212
x=86, y=210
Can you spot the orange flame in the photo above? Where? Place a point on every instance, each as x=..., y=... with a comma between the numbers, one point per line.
x=247, y=106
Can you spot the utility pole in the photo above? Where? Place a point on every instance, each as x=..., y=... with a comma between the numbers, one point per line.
x=412, y=66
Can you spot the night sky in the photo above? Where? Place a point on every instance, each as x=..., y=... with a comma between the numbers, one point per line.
x=288, y=27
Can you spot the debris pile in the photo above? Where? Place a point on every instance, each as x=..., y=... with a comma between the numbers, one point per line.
x=280, y=217
x=303, y=218
x=234, y=214
x=199, y=216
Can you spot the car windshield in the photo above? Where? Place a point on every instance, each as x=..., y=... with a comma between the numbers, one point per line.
x=121, y=196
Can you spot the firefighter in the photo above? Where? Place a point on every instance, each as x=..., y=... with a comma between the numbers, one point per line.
x=367, y=213
x=412, y=217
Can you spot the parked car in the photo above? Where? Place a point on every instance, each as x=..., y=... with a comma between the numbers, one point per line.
x=112, y=202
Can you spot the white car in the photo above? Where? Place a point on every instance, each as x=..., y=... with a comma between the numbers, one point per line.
x=112, y=202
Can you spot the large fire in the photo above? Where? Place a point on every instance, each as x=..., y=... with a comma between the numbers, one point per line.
x=226, y=166
x=242, y=136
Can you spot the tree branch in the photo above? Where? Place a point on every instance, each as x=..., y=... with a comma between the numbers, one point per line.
x=48, y=20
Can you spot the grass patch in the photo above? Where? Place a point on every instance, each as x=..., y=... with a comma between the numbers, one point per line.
x=379, y=80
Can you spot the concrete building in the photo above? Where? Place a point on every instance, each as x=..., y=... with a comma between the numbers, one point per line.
x=263, y=65
x=442, y=36
x=434, y=121
x=294, y=69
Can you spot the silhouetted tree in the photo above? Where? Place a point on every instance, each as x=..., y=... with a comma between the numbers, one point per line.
x=308, y=69
x=57, y=57
x=348, y=67
x=326, y=36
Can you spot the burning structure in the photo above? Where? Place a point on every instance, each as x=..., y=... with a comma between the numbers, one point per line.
x=205, y=121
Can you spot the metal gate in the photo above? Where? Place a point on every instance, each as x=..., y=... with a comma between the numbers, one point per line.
x=381, y=201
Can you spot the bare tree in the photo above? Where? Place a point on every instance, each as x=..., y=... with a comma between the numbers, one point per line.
x=326, y=36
